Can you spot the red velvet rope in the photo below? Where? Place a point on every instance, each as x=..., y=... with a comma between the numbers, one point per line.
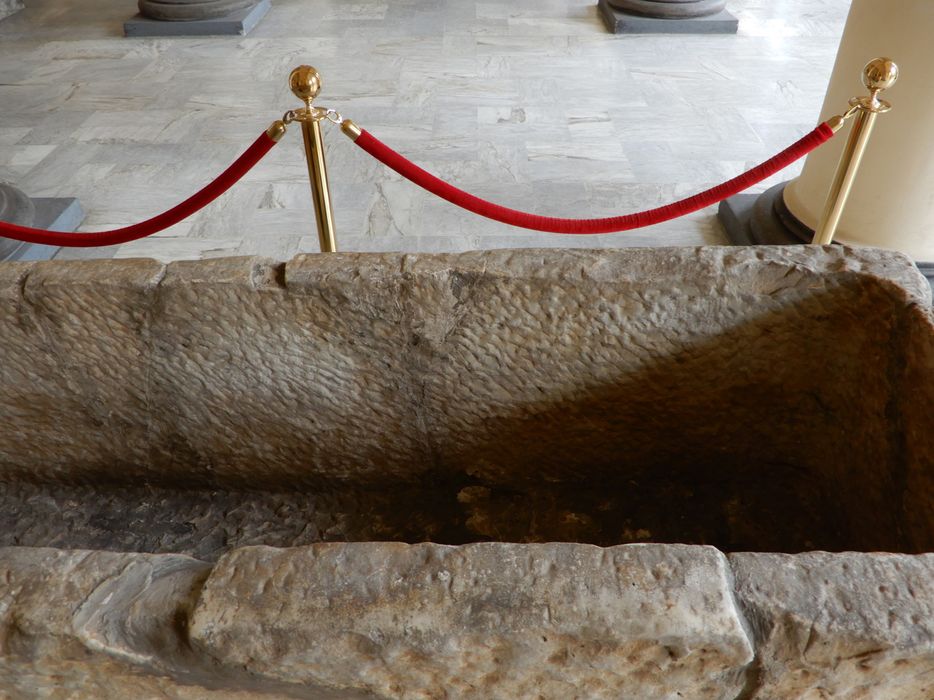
x=237, y=170
x=439, y=187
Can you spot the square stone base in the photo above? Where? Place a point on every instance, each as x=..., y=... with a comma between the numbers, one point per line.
x=235, y=24
x=52, y=214
x=735, y=214
x=620, y=22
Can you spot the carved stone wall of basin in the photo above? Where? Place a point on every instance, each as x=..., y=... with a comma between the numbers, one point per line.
x=221, y=478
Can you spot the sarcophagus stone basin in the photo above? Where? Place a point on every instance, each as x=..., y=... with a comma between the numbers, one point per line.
x=647, y=473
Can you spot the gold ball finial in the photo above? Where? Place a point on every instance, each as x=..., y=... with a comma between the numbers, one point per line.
x=305, y=83
x=880, y=74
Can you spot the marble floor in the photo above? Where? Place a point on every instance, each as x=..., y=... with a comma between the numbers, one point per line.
x=528, y=102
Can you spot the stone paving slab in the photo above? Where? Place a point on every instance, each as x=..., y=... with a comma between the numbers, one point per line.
x=482, y=620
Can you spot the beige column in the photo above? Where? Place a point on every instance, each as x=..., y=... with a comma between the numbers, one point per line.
x=892, y=201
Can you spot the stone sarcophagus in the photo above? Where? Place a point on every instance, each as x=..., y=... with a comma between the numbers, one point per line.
x=504, y=474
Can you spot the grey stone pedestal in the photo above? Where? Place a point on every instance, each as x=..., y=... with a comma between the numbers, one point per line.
x=50, y=213
x=667, y=17
x=764, y=219
x=185, y=19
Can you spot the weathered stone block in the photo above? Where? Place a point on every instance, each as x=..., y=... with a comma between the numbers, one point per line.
x=262, y=363
x=74, y=373
x=529, y=395
x=96, y=624
x=770, y=399
x=850, y=626
x=483, y=620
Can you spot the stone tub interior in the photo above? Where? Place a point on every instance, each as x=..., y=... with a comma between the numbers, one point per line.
x=768, y=400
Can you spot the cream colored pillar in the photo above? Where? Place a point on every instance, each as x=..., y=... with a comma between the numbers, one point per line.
x=892, y=201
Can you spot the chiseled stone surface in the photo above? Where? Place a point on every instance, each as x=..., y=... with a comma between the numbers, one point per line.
x=302, y=367
x=852, y=626
x=482, y=620
x=388, y=366
x=78, y=624
x=373, y=620
x=916, y=403
x=761, y=395
x=517, y=380
x=493, y=620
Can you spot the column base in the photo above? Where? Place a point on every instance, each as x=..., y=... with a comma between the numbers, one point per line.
x=621, y=22
x=764, y=219
x=237, y=23
x=52, y=214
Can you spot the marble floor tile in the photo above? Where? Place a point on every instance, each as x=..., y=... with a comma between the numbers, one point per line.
x=530, y=103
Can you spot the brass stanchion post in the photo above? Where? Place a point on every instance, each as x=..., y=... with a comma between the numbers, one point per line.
x=878, y=75
x=306, y=84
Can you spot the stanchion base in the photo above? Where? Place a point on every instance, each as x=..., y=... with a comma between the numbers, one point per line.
x=52, y=214
x=235, y=24
x=764, y=219
x=621, y=22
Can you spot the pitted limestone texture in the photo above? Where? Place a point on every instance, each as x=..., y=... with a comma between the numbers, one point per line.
x=210, y=471
x=394, y=621
x=483, y=620
x=105, y=625
x=773, y=399
x=840, y=625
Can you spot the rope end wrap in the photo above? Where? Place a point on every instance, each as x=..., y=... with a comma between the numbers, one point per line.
x=276, y=130
x=836, y=123
x=351, y=130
